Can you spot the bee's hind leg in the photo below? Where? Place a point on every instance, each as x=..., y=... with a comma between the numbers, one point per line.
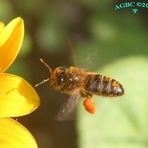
x=86, y=94
x=88, y=103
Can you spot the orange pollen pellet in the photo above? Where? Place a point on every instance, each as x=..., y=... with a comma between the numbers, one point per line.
x=89, y=105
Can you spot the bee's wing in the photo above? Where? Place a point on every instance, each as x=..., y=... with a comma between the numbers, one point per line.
x=67, y=108
x=89, y=56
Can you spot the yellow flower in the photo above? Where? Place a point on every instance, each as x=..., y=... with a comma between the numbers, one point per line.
x=17, y=97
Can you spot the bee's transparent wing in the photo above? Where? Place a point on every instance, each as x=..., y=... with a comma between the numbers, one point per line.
x=67, y=108
x=83, y=54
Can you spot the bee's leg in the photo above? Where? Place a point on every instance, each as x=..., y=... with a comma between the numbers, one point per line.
x=86, y=94
x=88, y=103
x=64, y=90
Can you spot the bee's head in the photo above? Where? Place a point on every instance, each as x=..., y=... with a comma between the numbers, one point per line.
x=59, y=75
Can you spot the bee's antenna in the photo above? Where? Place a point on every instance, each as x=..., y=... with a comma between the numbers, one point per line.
x=44, y=81
x=50, y=70
x=46, y=65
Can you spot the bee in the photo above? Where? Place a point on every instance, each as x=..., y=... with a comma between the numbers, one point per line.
x=78, y=83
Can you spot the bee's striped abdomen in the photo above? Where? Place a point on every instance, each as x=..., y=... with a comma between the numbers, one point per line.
x=93, y=83
x=102, y=85
x=106, y=85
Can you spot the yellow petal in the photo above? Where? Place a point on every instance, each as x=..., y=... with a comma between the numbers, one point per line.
x=11, y=37
x=14, y=135
x=1, y=25
x=17, y=97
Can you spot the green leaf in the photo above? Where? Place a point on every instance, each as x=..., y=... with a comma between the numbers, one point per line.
x=120, y=122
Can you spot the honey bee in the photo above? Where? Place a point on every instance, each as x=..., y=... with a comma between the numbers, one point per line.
x=78, y=83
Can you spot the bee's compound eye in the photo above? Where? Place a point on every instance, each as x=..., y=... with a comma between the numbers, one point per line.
x=62, y=79
x=60, y=75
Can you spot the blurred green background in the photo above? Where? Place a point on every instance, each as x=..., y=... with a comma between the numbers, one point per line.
x=91, y=35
